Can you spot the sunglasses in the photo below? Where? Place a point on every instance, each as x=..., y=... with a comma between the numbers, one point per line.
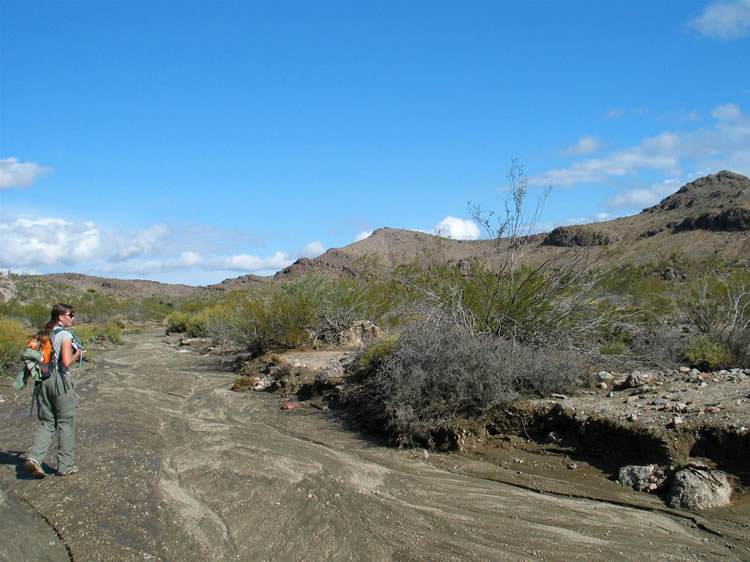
x=71, y=314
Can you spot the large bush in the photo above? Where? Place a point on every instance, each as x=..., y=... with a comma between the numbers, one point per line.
x=438, y=373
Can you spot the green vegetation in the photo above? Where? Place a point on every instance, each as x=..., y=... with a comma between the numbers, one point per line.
x=109, y=331
x=99, y=317
x=458, y=344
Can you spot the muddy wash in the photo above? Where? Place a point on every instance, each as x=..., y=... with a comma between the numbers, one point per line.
x=174, y=465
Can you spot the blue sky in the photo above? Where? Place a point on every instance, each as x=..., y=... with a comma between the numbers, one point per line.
x=193, y=141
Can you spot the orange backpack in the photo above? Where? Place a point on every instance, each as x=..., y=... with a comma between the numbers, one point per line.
x=44, y=346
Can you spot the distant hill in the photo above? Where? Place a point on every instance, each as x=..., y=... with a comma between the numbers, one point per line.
x=707, y=217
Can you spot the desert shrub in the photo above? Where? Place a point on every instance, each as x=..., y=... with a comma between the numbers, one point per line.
x=705, y=353
x=614, y=347
x=717, y=305
x=381, y=300
x=13, y=337
x=196, y=326
x=531, y=306
x=96, y=307
x=243, y=383
x=438, y=373
x=177, y=322
x=107, y=331
x=149, y=308
x=31, y=314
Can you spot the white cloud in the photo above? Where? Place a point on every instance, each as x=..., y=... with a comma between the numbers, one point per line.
x=727, y=112
x=457, y=229
x=614, y=114
x=47, y=241
x=363, y=235
x=648, y=196
x=18, y=174
x=723, y=147
x=189, y=259
x=635, y=198
x=728, y=19
x=313, y=249
x=130, y=244
x=585, y=145
x=248, y=263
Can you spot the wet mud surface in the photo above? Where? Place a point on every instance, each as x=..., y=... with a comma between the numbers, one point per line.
x=176, y=466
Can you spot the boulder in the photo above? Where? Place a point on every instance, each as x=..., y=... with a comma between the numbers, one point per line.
x=360, y=333
x=568, y=236
x=696, y=488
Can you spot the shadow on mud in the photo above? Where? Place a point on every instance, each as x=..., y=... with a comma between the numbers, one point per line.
x=17, y=460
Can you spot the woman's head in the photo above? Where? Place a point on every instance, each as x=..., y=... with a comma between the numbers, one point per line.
x=60, y=314
x=61, y=309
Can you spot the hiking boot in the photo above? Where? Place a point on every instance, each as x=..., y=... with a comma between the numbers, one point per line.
x=72, y=470
x=33, y=466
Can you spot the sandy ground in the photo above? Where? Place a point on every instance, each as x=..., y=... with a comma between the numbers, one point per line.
x=176, y=466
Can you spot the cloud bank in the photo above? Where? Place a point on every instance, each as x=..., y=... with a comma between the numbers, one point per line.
x=50, y=244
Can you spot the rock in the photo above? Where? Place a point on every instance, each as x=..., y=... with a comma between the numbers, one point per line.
x=360, y=333
x=262, y=383
x=637, y=477
x=635, y=379
x=331, y=375
x=645, y=478
x=578, y=236
x=696, y=488
x=195, y=341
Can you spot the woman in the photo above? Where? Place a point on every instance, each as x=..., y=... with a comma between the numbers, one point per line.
x=56, y=400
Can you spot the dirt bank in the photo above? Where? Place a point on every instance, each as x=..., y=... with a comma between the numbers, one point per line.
x=176, y=466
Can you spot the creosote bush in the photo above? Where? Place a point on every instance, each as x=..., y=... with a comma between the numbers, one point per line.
x=705, y=353
x=109, y=331
x=13, y=338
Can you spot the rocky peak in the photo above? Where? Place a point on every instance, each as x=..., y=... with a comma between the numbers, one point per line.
x=717, y=191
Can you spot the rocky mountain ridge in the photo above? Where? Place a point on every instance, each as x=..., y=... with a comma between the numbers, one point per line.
x=709, y=217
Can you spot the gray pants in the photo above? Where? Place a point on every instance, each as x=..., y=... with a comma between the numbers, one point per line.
x=58, y=404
